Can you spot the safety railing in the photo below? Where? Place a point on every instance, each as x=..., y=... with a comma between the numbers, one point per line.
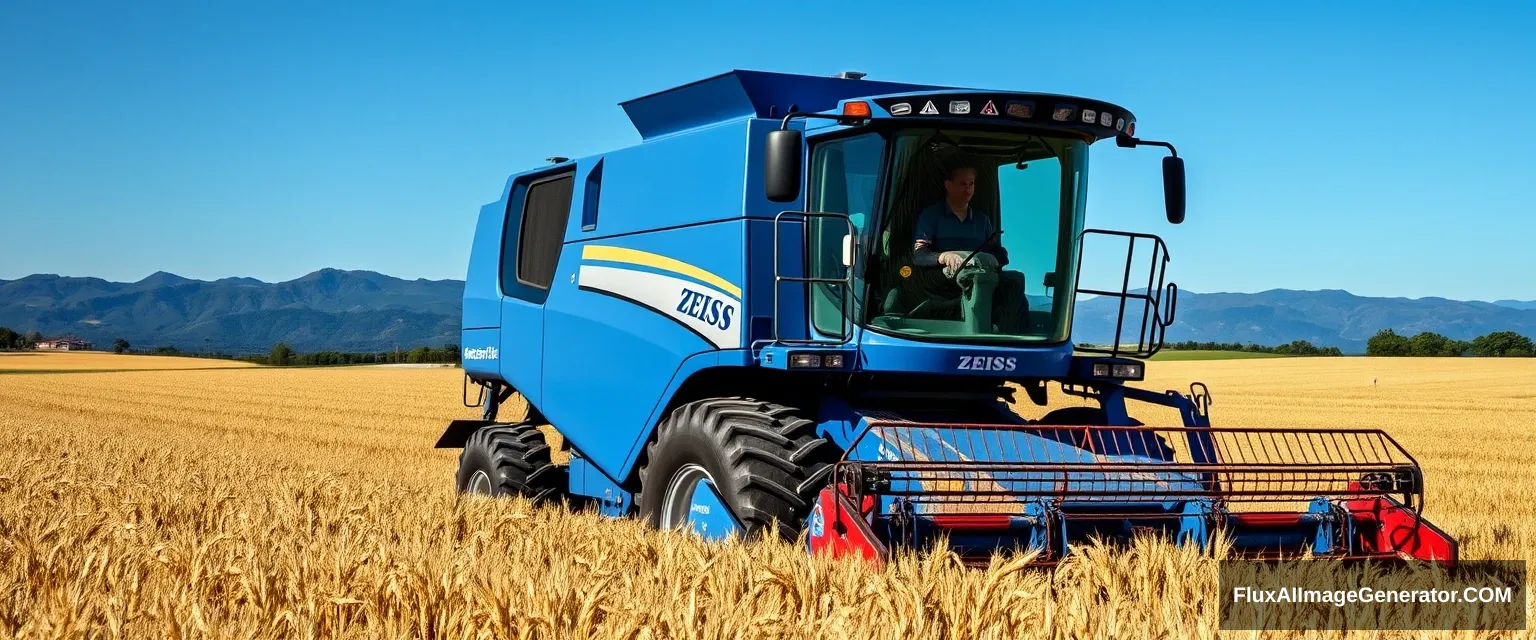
x=1159, y=300
x=809, y=253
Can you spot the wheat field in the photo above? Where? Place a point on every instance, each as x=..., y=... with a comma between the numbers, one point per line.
x=80, y=361
x=253, y=502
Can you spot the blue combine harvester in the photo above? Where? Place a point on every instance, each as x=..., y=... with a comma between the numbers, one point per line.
x=806, y=304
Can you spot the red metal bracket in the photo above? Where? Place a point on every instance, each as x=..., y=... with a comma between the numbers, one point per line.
x=1384, y=525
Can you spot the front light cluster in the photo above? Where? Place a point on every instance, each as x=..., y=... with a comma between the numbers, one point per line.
x=815, y=361
x=1119, y=371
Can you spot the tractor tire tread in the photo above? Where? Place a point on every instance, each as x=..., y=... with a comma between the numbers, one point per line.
x=517, y=459
x=768, y=460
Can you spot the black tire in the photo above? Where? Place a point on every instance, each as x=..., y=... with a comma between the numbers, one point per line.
x=764, y=459
x=514, y=460
x=1080, y=416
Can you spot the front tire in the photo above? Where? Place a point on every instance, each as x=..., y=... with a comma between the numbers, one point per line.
x=763, y=460
x=1080, y=416
x=510, y=460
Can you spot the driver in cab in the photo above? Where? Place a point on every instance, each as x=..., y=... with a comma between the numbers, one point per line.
x=950, y=229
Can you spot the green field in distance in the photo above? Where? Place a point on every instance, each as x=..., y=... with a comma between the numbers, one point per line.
x=1213, y=355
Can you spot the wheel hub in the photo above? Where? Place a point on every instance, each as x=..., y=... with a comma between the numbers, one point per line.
x=693, y=501
x=480, y=483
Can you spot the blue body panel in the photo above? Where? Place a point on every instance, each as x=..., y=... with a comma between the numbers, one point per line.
x=481, y=316
x=482, y=295
x=617, y=332
x=888, y=353
x=481, y=353
x=522, y=342
x=587, y=480
x=676, y=181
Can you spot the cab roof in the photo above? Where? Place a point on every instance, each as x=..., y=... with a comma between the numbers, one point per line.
x=741, y=94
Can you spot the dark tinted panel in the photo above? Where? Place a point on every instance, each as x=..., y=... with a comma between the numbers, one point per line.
x=545, y=211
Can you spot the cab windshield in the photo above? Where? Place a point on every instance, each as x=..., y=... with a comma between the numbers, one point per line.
x=1015, y=244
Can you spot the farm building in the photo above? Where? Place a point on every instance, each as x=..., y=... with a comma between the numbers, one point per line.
x=67, y=343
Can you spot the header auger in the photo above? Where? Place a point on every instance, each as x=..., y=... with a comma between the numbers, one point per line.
x=805, y=304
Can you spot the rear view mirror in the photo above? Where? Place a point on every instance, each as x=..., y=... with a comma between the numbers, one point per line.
x=781, y=165
x=1173, y=188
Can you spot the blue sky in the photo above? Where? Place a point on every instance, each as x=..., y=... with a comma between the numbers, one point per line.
x=1385, y=148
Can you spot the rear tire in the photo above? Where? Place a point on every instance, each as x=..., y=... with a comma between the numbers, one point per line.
x=509, y=460
x=763, y=459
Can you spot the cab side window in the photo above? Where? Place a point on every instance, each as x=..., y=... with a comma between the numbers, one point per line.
x=535, y=231
x=844, y=176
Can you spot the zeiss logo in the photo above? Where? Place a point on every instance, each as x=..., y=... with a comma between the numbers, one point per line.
x=483, y=353
x=706, y=308
x=699, y=509
x=987, y=363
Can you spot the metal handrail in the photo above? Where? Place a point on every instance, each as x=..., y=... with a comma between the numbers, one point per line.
x=1156, y=316
x=846, y=282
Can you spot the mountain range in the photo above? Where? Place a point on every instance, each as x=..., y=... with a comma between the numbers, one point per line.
x=329, y=309
x=340, y=310
x=1329, y=318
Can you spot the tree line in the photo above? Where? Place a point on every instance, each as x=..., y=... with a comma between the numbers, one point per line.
x=1499, y=344
x=282, y=355
x=1294, y=348
x=15, y=340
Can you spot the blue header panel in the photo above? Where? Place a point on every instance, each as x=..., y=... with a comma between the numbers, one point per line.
x=743, y=94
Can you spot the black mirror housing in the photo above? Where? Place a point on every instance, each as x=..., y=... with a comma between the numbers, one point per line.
x=781, y=165
x=1173, y=188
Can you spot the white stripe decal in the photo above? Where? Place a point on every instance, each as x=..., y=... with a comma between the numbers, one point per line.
x=706, y=310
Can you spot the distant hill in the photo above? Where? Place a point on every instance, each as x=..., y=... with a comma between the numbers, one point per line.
x=327, y=309
x=368, y=311
x=1330, y=318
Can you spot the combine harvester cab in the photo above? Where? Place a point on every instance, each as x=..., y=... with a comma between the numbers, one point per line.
x=804, y=306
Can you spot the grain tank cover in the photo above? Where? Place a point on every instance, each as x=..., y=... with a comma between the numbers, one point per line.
x=740, y=94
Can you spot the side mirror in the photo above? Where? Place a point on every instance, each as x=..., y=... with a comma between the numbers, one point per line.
x=781, y=165
x=1173, y=188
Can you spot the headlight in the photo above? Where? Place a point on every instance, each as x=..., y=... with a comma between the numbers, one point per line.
x=1118, y=371
x=1126, y=371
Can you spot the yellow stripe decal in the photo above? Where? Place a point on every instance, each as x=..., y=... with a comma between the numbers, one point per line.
x=656, y=261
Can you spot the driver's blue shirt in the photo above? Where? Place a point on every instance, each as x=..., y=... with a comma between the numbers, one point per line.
x=945, y=231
